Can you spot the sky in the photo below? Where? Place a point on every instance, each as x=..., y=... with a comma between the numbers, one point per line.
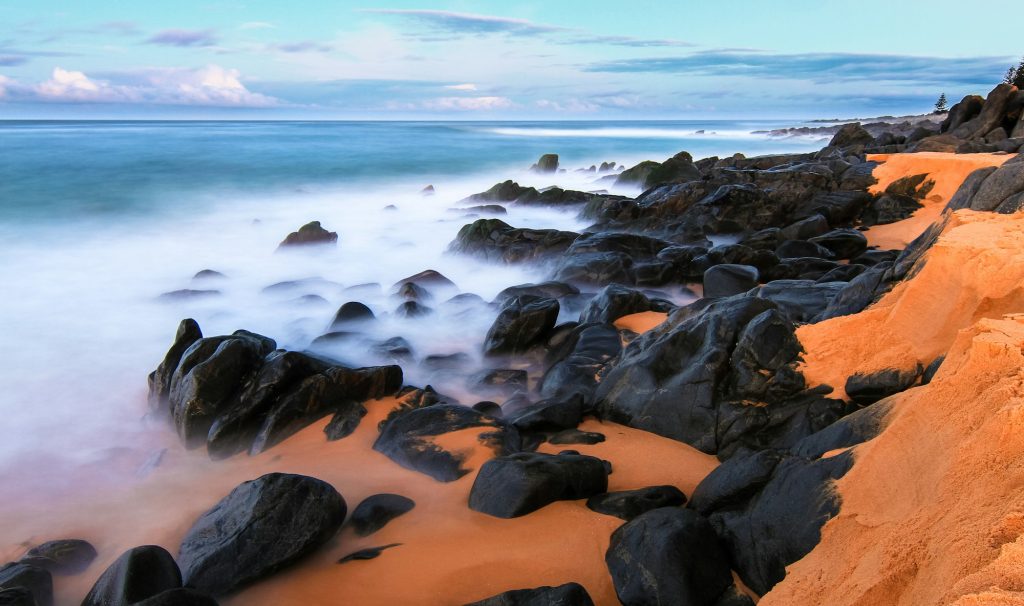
x=490, y=59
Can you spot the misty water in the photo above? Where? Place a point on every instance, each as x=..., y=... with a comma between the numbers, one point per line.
x=98, y=219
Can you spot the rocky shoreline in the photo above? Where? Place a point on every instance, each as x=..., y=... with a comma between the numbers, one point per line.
x=726, y=261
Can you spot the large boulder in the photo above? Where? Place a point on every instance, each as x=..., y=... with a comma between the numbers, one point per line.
x=596, y=268
x=310, y=233
x=991, y=115
x=407, y=438
x=517, y=484
x=968, y=107
x=613, y=302
x=262, y=526
x=729, y=279
x=570, y=594
x=138, y=574
x=850, y=135
x=522, y=323
x=801, y=301
x=844, y=243
x=160, y=379
x=575, y=364
x=495, y=240
x=63, y=556
x=548, y=163
x=1003, y=183
x=668, y=556
x=628, y=504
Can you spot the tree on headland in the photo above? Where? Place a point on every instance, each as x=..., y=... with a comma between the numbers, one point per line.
x=940, y=105
x=1015, y=75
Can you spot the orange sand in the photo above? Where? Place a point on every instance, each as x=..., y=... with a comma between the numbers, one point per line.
x=933, y=509
x=449, y=554
x=975, y=270
x=948, y=171
x=640, y=322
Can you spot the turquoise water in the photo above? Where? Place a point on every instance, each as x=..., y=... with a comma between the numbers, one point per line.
x=97, y=219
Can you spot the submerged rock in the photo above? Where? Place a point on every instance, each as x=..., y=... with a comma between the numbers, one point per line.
x=310, y=233
x=64, y=556
x=517, y=484
x=260, y=527
x=523, y=322
x=375, y=511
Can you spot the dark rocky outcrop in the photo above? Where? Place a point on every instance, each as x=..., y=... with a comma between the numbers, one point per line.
x=668, y=556
x=64, y=556
x=517, y=484
x=613, y=302
x=727, y=280
x=138, y=574
x=262, y=526
x=352, y=312
x=575, y=363
x=628, y=504
x=406, y=438
x=160, y=379
x=522, y=323
x=548, y=163
x=375, y=511
x=868, y=388
x=570, y=594
x=497, y=241
x=851, y=135
x=310, y=233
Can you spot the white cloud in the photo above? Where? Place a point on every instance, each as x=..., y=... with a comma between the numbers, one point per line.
x=207, y=86
x=468, y=103
x=468, y=86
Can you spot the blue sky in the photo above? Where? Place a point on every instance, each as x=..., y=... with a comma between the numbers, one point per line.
x=551, y=59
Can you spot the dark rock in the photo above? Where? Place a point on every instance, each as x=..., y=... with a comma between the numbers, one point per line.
x=548, y=163
x=517, y=484
x=406, y=438
x=182, y=596
x=410, y=291
x=889, y=208
x=815, y=225
x=36, y=580
x=733, y=597
x=522, y=324
x=17, y=596
x=412, y=309
x=855, y=428
x=395, y=349
x=668, y=556
x=575, y=363
x=427, y=278
x=858, y=293
x=768, y=509
x=375, y=511
x=841, y=206
x=447, y=362
x=262, y=526
x=482, y=209
x=547, y=290
x=628, y=504
x=843, y=243
x=491, y=409
x=596, y=268
x=931, y=369
x=570, y=594
x=850, y=135
x=575, y=436
x=764, y=349
x=969, y=107
x=1005, y=182
x=64, y=556
x=613, y=302
x=912, y=186
x=866, y=389
x=345, y=420
x=495, y=240
x=991, y=114
x=310, y=233
x=160, y=379
x=502, y=381
x=801, y=301
x=366, y=554
x=728, y=279
x=551, y=415
x=350, y=313
x=843, y=273
x=140, y=573
x=793, y=249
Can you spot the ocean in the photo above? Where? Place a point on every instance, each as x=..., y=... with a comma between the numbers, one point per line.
x=98, y=219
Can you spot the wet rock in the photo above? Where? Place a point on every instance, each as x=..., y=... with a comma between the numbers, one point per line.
x=912, y=186
x=375, y=511
x=64, y=556
x=850, y=135
x=628, y=504
x=17, y=596
x=447, y=362
x=497, y=241
x=596, y=268
x=668, y=556
x=804, y=229
x=858, y=293
x=548, y=163
x=189, y=294
x=551, y=415
x=866, y=389
x=210, y=372
x=410, y=291
x=517, y=484
x=138, y=574
x=889, y=208
x=182, y=596
x=843, y=243
x=760, y=361
x=351, y=313
x=160, y=379
x=310, y=233
x=613, y=302
x=394, y=349
x=369, y=553
x=728, y=279
x=547, y=290
x=428, y=278
x=801, y=301
x=345, y=420
x=575, y=362
x=501, y=381
x=931, y=369
x=768, y=509
x=37, y=581
x=791, y=249
x=575, y=436
x=262, y=526
x=482, y=209
x=843, y=273
x=523, y=323
x=406, y=438
x=412, y=309
x=570, y=594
